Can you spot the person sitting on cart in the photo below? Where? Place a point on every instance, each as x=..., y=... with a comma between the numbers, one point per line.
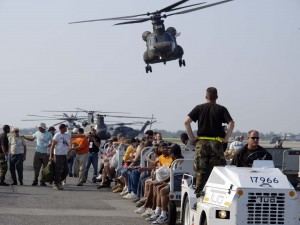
x=245, y=156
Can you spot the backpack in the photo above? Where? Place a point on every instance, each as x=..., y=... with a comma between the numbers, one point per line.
x=48, y=172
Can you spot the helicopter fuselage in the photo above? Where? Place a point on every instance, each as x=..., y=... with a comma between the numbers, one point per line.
x=161, y=44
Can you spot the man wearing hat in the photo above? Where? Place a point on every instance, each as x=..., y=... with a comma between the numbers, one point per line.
x=41, y=158
x=3, y=154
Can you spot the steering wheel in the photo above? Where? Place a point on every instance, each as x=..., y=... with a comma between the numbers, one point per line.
x=257, y=155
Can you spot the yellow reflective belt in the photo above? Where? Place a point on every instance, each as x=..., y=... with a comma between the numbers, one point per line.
x=210, y=138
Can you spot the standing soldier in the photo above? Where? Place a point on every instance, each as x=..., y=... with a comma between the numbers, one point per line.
x=17, y=156
x=209, y=148
x=3, y=154
x=41, y=158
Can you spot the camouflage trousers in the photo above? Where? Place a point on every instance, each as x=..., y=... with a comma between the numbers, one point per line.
x=3, y=167
x=207, y=155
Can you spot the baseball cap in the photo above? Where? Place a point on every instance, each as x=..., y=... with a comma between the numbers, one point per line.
x=75, y=130
x=51, y=128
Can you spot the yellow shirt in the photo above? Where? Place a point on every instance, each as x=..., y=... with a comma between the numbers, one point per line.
x=165, y=161
x=129, y=153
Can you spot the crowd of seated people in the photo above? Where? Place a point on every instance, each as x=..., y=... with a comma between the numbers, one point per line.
x=147, y=186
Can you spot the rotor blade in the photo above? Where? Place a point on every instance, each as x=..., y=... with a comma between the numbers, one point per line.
x=129, y=117
x=94, y=111
x=154, y=121
x=70, y=117
x=38, y=119
x=57, y=111
x=168, y=8
x=110, y=112
x=65, y=114
x=81, y=109
x=42, y=116
x=59, y=123
x=198, y=8
x=134, y=21
x=113, y=18
x=186, y=6
x=115, y=112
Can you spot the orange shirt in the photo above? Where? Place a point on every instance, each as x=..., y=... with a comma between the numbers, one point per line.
x=84, y=143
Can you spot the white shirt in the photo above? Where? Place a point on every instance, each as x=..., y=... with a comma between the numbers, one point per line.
x=16, y=145
x=236, y=145
x=63, y=142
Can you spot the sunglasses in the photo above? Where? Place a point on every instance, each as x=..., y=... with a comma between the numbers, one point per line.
x=253, y=138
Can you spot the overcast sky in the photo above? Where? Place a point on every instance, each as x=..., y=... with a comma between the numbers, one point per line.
x=248, y=49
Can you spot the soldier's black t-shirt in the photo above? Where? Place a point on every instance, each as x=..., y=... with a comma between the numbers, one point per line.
x=210, y=117
x=3, y=142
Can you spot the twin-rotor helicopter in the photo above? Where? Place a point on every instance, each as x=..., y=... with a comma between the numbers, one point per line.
x=95, y=119
x=161, y=43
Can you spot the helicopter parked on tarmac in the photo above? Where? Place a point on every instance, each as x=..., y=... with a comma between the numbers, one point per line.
x=70, y=120
x=95, y=119
x=129, y=132
x=161, y=43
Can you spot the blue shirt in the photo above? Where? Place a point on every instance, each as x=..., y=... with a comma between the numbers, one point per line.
x=42, y=141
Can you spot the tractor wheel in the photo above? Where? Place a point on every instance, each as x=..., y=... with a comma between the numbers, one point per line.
x=186, y=212
x=172, y=215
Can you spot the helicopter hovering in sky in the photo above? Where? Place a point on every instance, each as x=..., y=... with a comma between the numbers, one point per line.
x=161, y=43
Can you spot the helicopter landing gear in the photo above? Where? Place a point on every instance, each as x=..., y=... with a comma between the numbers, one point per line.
x=181, y=62
x=148, y=69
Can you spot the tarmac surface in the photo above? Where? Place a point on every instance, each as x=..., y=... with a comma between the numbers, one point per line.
x=32, y=205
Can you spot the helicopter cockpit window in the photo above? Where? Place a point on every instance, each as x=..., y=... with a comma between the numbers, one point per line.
x=164, y=37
